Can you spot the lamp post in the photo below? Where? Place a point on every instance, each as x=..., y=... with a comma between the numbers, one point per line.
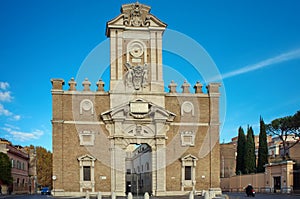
x=53, y=178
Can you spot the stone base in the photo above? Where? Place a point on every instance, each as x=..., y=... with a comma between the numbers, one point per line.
x=62, y=193
x=176, y=193
x=212, y=193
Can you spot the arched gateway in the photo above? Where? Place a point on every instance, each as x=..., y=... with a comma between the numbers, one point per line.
x=92, y=130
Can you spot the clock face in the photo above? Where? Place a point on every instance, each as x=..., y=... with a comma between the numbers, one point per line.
x=136, y=49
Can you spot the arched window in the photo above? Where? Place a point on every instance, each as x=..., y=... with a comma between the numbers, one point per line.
x=147, y=166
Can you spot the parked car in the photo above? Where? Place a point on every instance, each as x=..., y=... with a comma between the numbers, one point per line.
x=45, y=191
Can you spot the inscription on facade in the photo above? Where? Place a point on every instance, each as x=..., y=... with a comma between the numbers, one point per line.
x=139, y=107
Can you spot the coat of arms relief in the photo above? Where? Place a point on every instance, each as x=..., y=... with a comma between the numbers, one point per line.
x=136, y=17
x=136, y=77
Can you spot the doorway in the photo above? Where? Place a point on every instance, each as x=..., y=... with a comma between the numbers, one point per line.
x=277, y=184
x=138, y=163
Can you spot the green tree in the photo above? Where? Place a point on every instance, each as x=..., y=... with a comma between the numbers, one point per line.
x=240, y=152
x=5, y=168
x=250, y=158
x=286, y=128
x=44, y=166
x=262, y=148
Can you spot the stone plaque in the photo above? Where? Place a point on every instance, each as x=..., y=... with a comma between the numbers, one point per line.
x=139, y=107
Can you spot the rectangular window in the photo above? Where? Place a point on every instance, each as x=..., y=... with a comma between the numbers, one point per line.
x=86, y=173
x=188, y=173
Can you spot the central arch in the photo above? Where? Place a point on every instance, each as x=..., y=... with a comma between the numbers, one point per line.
x=156, y=165
x=138, y=164
x=129, y=124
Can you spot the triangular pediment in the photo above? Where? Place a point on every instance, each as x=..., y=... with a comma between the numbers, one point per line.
x=86, y=157
x=137, y=16
x=189, y=157
x=137, y=109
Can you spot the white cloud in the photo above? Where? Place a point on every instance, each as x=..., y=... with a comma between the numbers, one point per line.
x=295, y=54
x=4, y=111
x=7, y=113
x=5, y=96
x=11, y=126
x=17, y=117
x=4, y=85
x=23, y=136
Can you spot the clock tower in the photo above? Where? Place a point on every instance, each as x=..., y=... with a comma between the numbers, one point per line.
x=95, y=134
x=136, y=55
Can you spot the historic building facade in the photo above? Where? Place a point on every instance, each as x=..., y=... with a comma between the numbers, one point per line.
x=93, y=131
x=22, y=170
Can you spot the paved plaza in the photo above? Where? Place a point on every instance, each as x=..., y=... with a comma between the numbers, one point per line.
x=230, y=196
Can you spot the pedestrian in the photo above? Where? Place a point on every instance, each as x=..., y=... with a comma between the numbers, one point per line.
x=0, y=189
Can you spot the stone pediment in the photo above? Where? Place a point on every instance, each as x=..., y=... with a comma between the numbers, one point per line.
x=86, y=157
x=135, y=15
x=189, y=160
x=138, y=110
x=189, y=157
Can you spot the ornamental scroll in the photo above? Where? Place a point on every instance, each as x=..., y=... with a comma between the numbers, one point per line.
x=136, y=17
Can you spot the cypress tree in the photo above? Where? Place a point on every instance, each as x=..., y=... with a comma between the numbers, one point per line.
x=263, y=148
x=240, y=152
x=250, y=158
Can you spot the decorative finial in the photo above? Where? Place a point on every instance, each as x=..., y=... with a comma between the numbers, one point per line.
x=185, y=87
x=172, y=87
x=198, y=87
x=86, y=84
x=100, y=85
x=72, y=84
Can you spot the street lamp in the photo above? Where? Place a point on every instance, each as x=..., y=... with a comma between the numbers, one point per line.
x=53, y=178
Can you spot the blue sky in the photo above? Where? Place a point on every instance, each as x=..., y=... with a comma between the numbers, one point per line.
x=255, y=45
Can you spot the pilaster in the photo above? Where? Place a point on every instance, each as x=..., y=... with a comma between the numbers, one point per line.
x=214, y=95
x=57, y=132
x=160, y=167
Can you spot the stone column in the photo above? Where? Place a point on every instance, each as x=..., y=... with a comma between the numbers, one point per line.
x=112, y=166
x=119, y=49
x=119, y=168
x=154, y=168
x=116, y=60
x=160, y=167
x=113, y=57
x=153, y=60
x=156, y=84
